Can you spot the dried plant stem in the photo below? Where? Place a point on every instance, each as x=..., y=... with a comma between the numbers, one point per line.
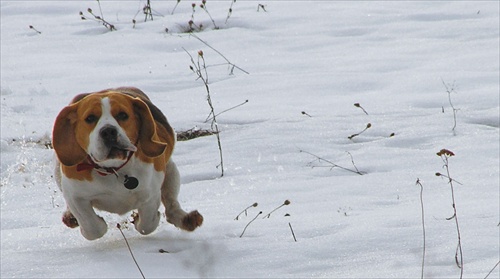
x=97, y=18
x=214, y=124
x=241, y=235
x=458, y=253
x=148, y=11
x=34, y=29
x=100, y=9
x=199, y=68
x=305, y=113
x=293, y=234
x=230, y=10
x=130, y=250
x=359, y=106
x=245, y=210
x=445, y=154
x=487, y=275
x=423, y=225
x=368, y=126
x=175, y=7
x=204, y=7
x=287, y=202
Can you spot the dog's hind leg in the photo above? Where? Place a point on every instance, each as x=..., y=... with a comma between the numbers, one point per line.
x=173, y=211
x=67, y=218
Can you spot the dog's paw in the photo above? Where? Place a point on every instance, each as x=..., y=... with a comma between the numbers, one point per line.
x=69, y=220
x=192, y=220
x=145, y=225
x=94, y=229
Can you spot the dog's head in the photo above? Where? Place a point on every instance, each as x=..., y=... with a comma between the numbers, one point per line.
x=107, y=126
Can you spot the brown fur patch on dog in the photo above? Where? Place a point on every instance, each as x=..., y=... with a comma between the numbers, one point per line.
x=69, y=220
x=192, y=221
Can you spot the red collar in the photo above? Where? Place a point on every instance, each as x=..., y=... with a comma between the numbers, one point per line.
x=90, y=164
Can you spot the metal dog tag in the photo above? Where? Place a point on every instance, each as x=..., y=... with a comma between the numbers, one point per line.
x=130, y=182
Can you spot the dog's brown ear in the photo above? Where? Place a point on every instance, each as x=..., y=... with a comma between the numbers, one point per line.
x=68, y=151
x=154, y=137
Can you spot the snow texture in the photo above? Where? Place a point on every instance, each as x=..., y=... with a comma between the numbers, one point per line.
x=309, y=62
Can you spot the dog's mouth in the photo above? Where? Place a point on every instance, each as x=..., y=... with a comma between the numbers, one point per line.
x=115, y=154
x=118, y=153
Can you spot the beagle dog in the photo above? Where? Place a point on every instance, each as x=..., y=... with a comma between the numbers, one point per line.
x=113, y=153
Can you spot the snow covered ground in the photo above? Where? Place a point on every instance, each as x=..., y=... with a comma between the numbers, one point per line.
x=316, y=57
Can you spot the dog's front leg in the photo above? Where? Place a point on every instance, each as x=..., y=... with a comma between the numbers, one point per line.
x=169, y=192
x=148, y=217
x=92, y=226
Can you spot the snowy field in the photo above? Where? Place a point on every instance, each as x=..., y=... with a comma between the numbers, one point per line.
x=309, y=62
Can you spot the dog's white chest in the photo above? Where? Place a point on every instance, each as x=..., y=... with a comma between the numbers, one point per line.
x=109, y=193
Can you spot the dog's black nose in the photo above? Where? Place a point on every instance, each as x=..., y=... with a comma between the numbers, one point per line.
x=109, y=134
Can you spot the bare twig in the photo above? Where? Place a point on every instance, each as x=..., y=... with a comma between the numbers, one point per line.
x=423, y=225
x=226, y=110
x=332, y=164
x=221, y=55
x=352, y=161
x=440, y=174
x=450, y=89
x=130, y=250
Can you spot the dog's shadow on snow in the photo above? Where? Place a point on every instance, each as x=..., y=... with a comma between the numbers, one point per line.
x=196, y=255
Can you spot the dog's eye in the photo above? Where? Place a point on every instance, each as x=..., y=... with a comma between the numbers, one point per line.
x=122, y=116
x=91, y=119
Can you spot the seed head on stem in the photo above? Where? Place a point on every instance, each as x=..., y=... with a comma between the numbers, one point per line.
x=245, y=210
x=286, y=202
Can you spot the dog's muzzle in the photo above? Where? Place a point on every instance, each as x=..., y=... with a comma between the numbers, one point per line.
x=116, y=144
x=109, y=135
